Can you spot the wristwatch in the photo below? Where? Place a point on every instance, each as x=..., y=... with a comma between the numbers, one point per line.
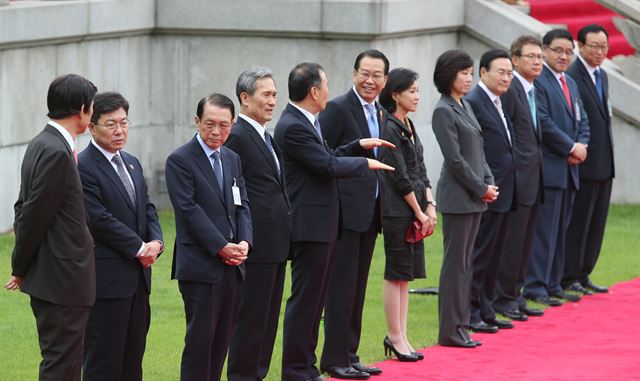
x=432, y=203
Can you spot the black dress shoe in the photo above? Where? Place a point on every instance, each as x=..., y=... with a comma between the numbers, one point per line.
x=566, y=296
x=464, y=344
x=482, y=327
x=319, y=378
x=502, y=324
x=577, y=287
x=599, y=289
x=347, y=373
x=553, y=302
x=367, y=369
x=531, y=311
x=515, y=314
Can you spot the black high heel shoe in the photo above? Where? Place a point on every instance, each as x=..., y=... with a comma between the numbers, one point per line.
x=389, y=348
x=419, y=355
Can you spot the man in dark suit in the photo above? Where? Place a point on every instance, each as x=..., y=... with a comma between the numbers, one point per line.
x=496, y=72
x=352, y=116
x=263, y=170
x=591, y=207
x=312, y=170
x=565, y=134
x=213, y=236
x=520, y=106
x=128, y=239
x=53, y=259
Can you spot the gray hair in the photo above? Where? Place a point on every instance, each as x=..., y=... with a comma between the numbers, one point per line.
x=247, y=80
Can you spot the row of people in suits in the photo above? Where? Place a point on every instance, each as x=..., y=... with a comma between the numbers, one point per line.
x=536, y=137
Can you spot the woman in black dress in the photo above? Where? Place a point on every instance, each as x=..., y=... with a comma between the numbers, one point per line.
x=407, y=197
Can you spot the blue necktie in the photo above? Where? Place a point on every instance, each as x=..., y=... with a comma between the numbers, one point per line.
x=599, y=89
x=372, y=121
x=217, y=168
x=267, y=139
x=531, y=96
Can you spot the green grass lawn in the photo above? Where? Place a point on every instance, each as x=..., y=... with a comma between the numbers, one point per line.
x=19, y=354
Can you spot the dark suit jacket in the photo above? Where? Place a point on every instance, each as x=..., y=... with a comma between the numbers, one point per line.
x=599, y=164
x=497, y=149
x=271, y=213
x=54, y=249
x=410, y=174
x=312, y=169
x=342, y=122
x=206, y=218
x=561, y=129
x=119, y=228
x=465, y=172
x=527, y=141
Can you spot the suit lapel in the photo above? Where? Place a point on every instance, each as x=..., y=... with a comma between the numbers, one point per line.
x=293, y=110
x=490, y=107
x=49, y=128
x=464, y=112
x=555, y=85
x=524, y=103
x=136, y=177
x=105, y=167
x=204, y=164
x=260, y=143
x=585, y=77
x=358, y=113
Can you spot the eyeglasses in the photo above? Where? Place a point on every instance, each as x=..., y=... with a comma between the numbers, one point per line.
x=596, y=47
x=532, y=57
x=365, y=75
x=559, y=51
x=112, y=125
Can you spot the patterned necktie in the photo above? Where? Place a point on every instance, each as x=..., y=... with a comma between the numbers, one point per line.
x=372, y=121
x=498, y=104
x=565, y=90
x=267, y=140
x=531, y=97
x=217, y=168
x=316, y=126
x=122, y=174
x=599, y=89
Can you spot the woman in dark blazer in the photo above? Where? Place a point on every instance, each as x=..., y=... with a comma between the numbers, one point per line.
x=407, y=197
x=464, y=188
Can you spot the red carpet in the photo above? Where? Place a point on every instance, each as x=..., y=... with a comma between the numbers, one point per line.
x=597, y=338
x=579, y=13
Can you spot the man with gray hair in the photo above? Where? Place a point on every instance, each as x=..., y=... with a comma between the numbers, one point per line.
x=262, y=165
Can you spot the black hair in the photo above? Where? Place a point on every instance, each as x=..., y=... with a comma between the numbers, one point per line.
x=218, y=100
x=67, y=94
x=107, y=102
x=399, y=80
x=302, y=78
x=448, y=65
x=372, y=53
x=591, y=28
x=555, y=34
x=490, y=56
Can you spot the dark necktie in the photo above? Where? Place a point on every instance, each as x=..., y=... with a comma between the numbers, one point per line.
x=122, y=174
x=599, y=89
x=217, y=168
x=267, y=140
x=565, y=90
x=531, y=97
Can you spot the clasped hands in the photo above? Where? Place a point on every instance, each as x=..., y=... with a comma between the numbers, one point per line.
x=371, y=143
x=491, y=194
x=428, y=220
x=578, y=155
x=233, y=254
x=149, y=253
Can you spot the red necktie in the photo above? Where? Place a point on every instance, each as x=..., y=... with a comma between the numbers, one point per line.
x=565, y=90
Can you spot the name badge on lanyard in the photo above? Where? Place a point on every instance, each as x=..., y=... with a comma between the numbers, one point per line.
x=235, y=191
x=576, y=110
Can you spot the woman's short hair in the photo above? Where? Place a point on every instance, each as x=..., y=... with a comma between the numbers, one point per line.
x=447, y=67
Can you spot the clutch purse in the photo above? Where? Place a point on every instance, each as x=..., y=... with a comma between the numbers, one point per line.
x=414, y=233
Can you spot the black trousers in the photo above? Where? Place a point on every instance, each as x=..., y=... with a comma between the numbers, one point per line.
x=116, y=336
x=61, y=337
x=459, y=231
x=255, y=330
x=345, y=298
x=210, y=311
x=515, y=257
x=487, y=255
x=586, y=230
x=310, y=272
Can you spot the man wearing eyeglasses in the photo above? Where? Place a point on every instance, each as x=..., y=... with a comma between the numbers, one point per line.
x=352, y=116
x=586, y=229
x=565, y=135
x=520, y=105
x=128, y=240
